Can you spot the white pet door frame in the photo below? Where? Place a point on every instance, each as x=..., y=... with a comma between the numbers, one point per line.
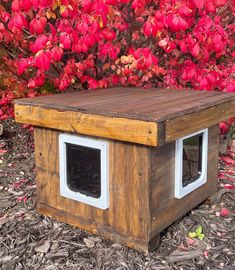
x=84, y=170
x=196, y=145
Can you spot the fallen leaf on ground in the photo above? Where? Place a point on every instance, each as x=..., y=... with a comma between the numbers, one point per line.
x=89, y=243
x=189, y=241
x=206, y=254
x=43, y=248
x=2, y=151
x=23, y=198
x=95, y=239
x=224, y=212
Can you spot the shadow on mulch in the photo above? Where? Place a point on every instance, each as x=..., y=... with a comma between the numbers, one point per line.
x=31, y=241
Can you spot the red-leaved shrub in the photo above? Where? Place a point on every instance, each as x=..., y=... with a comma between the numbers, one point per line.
x=59, y=44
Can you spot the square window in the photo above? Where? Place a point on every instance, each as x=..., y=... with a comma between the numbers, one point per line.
x=191, y=162
x=84, y=170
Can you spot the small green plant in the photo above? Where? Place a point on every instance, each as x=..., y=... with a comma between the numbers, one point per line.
x=197, y=233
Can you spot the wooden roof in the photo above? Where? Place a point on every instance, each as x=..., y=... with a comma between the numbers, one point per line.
x=159, y=115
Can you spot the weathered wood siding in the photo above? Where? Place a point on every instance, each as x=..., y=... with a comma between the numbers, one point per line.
x=165, y=208
x=127, y=218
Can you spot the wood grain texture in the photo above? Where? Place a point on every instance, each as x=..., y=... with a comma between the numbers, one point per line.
x=129, y=173
x=165, y=208
x=132, y=103
x=187, y=124
x=130, y=130
x=141, y=186
x=151, y=117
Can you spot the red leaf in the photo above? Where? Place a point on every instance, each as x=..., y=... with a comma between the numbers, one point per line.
x=43, y=61
x=199, y=3
x=195, y=50
x=26, y=4
x=56, y=53
x=228, y=160
x=65, y=41
x=220, y=2
x=231, y=154
x=2, y=151
x=190, y=241
x=183, y=46
x=206, y=253
x=16, y=6
x=19, y=21
x=37, y=26
x=22, y=198
x=224, y=128
x=227, y=186
x=224, y=212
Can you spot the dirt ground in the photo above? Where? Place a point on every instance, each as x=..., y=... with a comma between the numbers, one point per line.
x=31, y=241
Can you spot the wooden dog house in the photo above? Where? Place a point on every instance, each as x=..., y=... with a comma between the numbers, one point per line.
x=125, y=163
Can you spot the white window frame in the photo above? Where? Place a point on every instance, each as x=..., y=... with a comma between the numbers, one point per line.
x=181, y=191
x=101, y=202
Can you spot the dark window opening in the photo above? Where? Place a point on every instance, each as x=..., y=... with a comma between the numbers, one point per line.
x=192, y=159
x=84, y=170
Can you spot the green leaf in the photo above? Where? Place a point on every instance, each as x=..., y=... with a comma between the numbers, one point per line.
x=198, y=233
x=199, y=230
x=192, y=234
x=200, y=236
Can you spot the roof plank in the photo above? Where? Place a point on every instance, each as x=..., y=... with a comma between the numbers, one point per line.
x=167, y=114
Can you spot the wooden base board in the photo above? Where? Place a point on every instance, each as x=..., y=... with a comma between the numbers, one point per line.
x=104, y=231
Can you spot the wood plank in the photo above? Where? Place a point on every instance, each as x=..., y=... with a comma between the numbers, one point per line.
x=143, y=104
x=136, y=131
x=129, y=188
x=131, y=103
x=47, y=167
x=150, y=117
x=192, y=122
x=129, y=170
x=165, y=208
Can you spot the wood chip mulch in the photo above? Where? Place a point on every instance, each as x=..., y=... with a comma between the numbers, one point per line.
x=31, y=241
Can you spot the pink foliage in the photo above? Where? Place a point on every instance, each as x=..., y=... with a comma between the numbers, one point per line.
x=102, y=43
x=224, y=212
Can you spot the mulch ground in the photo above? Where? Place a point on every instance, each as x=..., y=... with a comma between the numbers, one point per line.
x=31, y=241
